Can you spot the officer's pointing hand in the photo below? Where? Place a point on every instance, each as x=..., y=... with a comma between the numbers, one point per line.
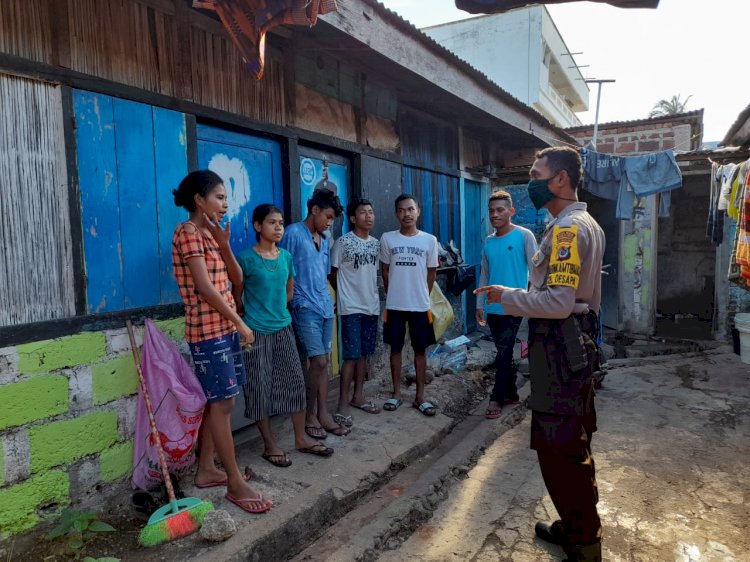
x=494, y=293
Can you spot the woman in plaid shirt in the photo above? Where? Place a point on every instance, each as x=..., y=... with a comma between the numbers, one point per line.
x=204, y=265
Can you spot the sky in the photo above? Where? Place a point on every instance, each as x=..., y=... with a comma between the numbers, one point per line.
x=692, y=48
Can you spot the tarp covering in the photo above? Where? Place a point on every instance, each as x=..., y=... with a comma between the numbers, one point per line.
x=248, y=21
x=497, y=6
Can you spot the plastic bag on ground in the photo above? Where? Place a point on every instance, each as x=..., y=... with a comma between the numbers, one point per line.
x=178, y=401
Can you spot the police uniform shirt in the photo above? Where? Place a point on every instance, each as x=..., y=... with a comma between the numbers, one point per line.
x=567, y=269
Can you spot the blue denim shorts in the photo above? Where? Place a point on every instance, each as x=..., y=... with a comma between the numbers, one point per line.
x=359, y=335
x=314, y=333
x=219, y=366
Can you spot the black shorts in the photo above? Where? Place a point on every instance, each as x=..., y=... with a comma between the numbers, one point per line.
x=421, y=333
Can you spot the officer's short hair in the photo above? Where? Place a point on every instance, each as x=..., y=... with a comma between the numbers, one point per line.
x=564, y=158
x=501, y=195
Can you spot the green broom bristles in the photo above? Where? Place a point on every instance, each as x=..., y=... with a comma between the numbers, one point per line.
x=175, y=526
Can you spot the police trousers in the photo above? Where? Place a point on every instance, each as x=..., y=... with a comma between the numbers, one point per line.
x=562, y=423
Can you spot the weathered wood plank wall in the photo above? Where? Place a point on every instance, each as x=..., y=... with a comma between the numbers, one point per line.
x=157, y=45
x=36, y=277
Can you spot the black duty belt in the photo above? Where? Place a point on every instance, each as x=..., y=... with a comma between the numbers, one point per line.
x=589, y=323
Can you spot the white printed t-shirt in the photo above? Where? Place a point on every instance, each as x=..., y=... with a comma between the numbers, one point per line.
x=408, y=258
x=357, y=278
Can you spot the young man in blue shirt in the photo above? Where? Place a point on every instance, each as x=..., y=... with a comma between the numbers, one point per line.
x=312, y=305
x=506, y=260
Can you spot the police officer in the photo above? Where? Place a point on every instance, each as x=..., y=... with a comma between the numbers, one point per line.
x=562, y=304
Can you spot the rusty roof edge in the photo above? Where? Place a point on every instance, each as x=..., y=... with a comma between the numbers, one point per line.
x=742, y=120
x=430, y=43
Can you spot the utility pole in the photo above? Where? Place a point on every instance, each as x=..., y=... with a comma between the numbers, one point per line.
x=598, y=99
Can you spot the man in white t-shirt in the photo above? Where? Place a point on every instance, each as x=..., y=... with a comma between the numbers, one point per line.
x=354, y=277
x=409, y=260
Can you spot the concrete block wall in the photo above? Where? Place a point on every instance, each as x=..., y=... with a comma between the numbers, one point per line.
x=638, y=139
x=66, y=423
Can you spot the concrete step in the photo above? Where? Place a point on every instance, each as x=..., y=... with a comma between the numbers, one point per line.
x=396, y=510
x=314, y=493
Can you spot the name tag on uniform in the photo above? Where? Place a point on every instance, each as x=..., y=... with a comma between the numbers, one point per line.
x=565, y=261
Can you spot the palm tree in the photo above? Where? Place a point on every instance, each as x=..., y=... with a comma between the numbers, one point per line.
x=669, y=107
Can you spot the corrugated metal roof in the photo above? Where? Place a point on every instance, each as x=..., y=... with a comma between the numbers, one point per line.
x=739, y=132
x=429, y=42
x=498, y=6
x=636, y=122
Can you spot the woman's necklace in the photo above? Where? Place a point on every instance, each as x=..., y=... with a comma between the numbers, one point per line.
x=275, y=261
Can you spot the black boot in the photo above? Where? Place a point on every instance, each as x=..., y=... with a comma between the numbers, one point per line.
x=584, y=553
x=553, y=533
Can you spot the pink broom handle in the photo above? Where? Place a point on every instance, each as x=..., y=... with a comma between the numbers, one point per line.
x=150, y=410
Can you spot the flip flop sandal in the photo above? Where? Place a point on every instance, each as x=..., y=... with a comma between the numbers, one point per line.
x=318, y=450
x=426, y=408
x=338, y=431
x=368, y=407
x=392, y=404
x=247, y=476
x=341, y=419
x=245, y=505
x=313, y=435
x=280, y=463
x=492, y=414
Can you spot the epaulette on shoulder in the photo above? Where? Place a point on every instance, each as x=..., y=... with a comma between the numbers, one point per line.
x=565, y=222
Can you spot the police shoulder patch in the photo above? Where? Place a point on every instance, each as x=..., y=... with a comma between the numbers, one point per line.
x=564, y=261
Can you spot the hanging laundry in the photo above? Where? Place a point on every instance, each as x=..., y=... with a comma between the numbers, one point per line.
x=743, y=236
x=603, y=174
x=727, y=173
x=715, y=222
x=646, y=175
x=248, y=21
x=623, y=178
x=498, y=6
x=735, y=195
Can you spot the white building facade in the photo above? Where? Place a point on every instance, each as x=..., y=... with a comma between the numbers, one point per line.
x=523, y=52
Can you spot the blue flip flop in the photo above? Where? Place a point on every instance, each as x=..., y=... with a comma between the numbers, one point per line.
x=427, y=408
x=392, y=404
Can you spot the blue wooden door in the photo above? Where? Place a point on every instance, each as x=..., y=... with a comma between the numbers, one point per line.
x=130, y=157
x=251, y=169
x=475, y=231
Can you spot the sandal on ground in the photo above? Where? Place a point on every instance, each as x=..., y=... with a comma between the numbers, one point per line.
x=318, y=449
x=247, y=476
x=493, y=413
x=274, y=459
x=341, y=419
x=338, y=431
x=247, y=503
x=368, y=407
x=392, y=404
x=427, y=408
x=309, y=428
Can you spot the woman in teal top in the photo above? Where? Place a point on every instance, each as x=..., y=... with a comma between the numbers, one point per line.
x=276, y=384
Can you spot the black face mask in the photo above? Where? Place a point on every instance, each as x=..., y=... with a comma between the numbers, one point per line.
x=539, y=193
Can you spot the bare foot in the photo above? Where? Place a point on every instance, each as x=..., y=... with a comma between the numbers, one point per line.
x=203, y=477
x=493, y=410
x=343, y=409
x=246, y=492
x=327, y=421
x=304, y=443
